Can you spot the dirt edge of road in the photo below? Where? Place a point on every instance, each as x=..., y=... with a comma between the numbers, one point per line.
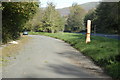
x=9, y=49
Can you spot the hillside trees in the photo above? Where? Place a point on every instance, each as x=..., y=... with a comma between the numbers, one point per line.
x=35, y=23
x=52, y=20
x=75, y=18
x=14, y=16
x=47, y=20
x=105, y=17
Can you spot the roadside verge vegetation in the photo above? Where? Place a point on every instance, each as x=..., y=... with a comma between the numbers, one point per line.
x=103, y=51
x=9, y=50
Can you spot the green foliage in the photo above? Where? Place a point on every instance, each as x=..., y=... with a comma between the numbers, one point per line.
x=114, y=70
x=103, y=51
x=47, y=20
x=105, y=17
x=107, y=14
x=35, y=23
x=52, y=21
x=14, y=16
x=75, y=19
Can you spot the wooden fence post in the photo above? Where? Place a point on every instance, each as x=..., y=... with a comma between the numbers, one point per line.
x=88, y=31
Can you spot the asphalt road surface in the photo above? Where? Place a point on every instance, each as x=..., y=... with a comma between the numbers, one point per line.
x=45, y=57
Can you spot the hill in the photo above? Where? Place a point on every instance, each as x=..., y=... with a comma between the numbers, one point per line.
x=87, y=6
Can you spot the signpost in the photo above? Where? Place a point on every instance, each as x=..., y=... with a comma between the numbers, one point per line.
x=88, y=31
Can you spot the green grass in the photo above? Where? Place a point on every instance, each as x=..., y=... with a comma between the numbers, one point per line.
x=103, y=51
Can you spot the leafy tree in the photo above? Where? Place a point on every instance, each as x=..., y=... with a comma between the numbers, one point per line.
x=52, y=21
x=75, y=18
x=35, y=23
x=105, y=17
x=14, y=16
x=118, y=17
x=46, y=20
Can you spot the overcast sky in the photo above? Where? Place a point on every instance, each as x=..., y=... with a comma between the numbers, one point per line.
x=64, y=3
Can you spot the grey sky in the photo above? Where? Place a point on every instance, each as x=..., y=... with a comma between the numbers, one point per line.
x=64, y=3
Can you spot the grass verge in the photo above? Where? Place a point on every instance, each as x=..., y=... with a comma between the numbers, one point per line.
x=103, y=51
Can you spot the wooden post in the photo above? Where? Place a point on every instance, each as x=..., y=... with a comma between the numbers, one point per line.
x=88, y=31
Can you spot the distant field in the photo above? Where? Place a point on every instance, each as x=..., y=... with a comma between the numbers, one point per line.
x=103, y=51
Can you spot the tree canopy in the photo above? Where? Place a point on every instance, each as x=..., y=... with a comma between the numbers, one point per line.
x=48, y=20
x=52, y=20
x=105, y=17
x=75, y=18
x=14, y=16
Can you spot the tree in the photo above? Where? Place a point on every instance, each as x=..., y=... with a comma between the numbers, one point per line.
x=105, y=17
x=35, y=23
x=52, y=21
x=75, y=18
x=14, y=16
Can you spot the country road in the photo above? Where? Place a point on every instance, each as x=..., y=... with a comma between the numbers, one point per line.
x=46, y=57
